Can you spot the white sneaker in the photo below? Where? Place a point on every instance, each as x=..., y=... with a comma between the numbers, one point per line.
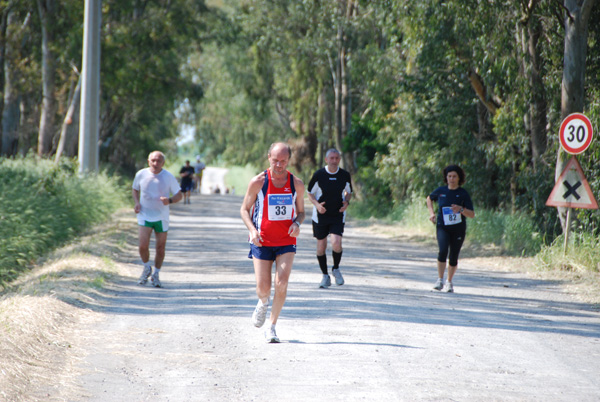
x=449, y=287
x=271, y=335
x=439, y=285
x=260, y=313
x=145, y=275
x=339, y=279
x=325, y=282
x=154, y=280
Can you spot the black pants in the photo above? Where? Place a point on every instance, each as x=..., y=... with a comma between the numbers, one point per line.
x=450, y=238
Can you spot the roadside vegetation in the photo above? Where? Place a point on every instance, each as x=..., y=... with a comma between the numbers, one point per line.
x=44, y=310
x=508, y=234
x=44, y=205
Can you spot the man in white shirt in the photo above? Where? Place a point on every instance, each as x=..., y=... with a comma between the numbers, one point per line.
x=153, y=190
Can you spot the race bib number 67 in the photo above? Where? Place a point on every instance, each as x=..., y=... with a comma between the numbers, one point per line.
x=280, y=207
x=451, y=218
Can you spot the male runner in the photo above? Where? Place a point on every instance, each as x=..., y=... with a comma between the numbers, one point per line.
x=187, y=181
x=330, y=190
x=273, y=209
x=151, y=192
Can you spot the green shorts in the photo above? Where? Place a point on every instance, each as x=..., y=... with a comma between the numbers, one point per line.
x=157, y=226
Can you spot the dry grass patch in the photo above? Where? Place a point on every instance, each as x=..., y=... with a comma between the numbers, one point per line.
x=42, y=311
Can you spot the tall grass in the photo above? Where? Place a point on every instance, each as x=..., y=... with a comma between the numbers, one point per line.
x=43, y=205
x=511, y=234
x=581, y=257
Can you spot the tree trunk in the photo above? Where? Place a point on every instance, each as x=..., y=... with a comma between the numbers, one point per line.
x=11, y=113
x=3, y=42
x=47, y=118
x=538, y=107
x=337, y=91
x=344, y=107
x=68, y=132
x=575, y=52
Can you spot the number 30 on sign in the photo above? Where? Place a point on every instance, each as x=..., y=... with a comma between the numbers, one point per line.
x=576, y=133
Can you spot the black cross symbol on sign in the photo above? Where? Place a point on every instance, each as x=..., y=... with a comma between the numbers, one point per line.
x=571, y=190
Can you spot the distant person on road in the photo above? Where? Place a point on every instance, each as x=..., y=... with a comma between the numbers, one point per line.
x=198, y=169
x=273, y=210
x=330, y=191
x=153, y=190
x=187, y=181
x=454, y=206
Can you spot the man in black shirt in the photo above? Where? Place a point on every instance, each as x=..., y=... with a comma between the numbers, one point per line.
x=187, y=174
x=330, y=190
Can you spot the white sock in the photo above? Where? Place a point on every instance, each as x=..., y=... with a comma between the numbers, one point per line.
x=147, y=264
x=156, y=270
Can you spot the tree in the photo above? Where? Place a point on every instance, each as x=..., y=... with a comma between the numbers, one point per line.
x=577, y=15
x=47, y=13
x=10, y=106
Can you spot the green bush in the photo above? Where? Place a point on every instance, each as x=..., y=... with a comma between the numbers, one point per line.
x=43, y=205
x=487, y=227
x=521, y=236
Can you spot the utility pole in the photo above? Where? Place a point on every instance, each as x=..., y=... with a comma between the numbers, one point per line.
x=90, y=89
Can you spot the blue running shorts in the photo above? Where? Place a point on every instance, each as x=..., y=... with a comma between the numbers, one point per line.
x=269, y=253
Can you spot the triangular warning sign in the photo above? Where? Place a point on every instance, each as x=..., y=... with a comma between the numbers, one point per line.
x=572, y=190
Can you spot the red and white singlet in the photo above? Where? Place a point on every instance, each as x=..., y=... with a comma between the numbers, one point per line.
x=275, y=211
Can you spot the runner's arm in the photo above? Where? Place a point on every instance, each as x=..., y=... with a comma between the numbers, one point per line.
x=346, y=200
x=136, y=198
x=246, y=209
x=172, y=200
x=464, y=211
x=319, y=205
x=432, y=216
x=294, y=229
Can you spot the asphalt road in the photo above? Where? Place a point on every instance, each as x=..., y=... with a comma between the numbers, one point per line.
x=383, y=336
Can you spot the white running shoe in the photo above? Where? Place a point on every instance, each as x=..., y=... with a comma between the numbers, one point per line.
x=439, y=285
x=339, y=279
x=325, y=282
x=260, y=313
x=145, y=275
x=271, y=335
x=154, y=280
x=449, y=287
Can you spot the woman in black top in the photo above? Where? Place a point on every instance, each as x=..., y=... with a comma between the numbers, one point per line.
x=454, y=206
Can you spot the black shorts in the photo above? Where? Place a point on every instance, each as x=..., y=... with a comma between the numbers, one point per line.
x=185, y=187
x=322, y=230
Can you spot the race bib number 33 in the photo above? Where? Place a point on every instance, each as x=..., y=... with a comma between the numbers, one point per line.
x=280, y=207
x=451, y=218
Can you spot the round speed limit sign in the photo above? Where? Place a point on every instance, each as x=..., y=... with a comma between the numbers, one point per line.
x=576, y=133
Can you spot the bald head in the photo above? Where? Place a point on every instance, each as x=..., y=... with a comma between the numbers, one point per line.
x=157, y=154
x=279, y=157
x=279, y=146
x=156, y=161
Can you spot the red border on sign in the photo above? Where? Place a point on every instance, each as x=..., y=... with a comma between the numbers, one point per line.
x=567, y=120
x=553, y=200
